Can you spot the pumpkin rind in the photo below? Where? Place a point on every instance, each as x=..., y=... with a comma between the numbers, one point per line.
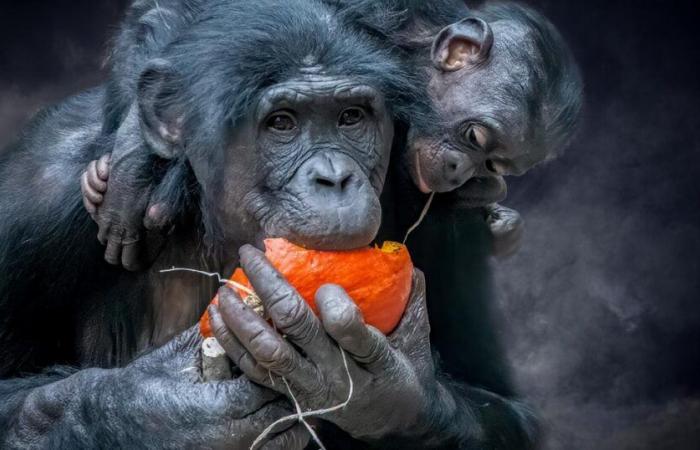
x=377, y=279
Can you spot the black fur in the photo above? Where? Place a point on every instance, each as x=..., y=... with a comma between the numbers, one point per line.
x=47, y=241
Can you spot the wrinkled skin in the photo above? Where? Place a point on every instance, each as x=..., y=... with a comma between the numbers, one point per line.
x=396, y=387
x=322, y=162
x=166, y=398
x=489, y=132
x=486, y=84
x=506, y=101
x=330, y=171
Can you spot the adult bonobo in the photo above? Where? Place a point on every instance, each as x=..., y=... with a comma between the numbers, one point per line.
x=292, y=141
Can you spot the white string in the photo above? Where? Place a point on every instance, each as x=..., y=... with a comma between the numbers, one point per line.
x=297, y=406
x=238, y=286
x=160, y=13
x=420, y=218
x=300, y=416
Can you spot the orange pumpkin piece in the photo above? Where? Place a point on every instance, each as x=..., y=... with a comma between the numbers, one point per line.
x=378, y=279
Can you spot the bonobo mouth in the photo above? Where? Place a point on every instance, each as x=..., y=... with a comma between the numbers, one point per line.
x=336, y=227
x=435, y=167
x=481, y=191
x=333, y=226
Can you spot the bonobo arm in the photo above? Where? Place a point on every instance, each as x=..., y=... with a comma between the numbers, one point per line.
x=155, y=402
x=135, y=197
x=453, y=247
x=116, y=191
x=399, y=399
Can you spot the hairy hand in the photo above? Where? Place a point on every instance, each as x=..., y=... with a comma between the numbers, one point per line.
x=162, y=393
x=389, y=373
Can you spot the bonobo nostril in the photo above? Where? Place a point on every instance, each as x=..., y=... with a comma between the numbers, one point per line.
x=330, y=174
x=344, y=183
x=324, y=182
x=338, y=183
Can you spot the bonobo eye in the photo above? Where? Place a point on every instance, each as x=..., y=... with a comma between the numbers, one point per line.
x=477, y=136
x=281, y=121
x=351, y=116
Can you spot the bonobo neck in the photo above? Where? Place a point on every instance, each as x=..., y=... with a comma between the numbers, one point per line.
x=179, y=297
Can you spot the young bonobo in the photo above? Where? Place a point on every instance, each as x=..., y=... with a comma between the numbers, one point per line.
x=505, y=86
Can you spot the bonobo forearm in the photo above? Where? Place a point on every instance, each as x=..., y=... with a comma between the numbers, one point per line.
x=463, y=417
x=47, y=411
x=470, y=418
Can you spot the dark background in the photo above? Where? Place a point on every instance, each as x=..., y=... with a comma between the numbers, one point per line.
x=601, y=308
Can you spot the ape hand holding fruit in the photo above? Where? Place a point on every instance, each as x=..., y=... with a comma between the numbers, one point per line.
x=392, y=374
x=377, y=279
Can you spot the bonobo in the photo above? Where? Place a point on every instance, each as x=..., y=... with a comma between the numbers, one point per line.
x=292, y=141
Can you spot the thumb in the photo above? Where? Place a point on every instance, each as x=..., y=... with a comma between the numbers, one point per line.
x=413, y=332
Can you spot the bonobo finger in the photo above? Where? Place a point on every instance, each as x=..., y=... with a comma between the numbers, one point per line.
x=295, y=438
x=157, y=216
x=88, y=191
x=343, y=320
x=235, y=350
x=264, y=344
x=251, y=427
x=89, y=207
x=185, y=345
x=113, y=252
x=291, y=314
x=130, y=256
x=412, y=335
x=103, y=166
x=95, y=182
x=236, y=398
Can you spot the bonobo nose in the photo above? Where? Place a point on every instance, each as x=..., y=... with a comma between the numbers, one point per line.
x=331, y=173
x=458, y=167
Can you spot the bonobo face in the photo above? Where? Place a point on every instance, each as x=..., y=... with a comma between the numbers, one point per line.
x=310, y=163
x=482, y=87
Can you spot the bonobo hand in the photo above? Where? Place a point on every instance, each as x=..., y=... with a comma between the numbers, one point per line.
x=390, y=374
x=124, y=215
x=167, y=406
x=506, y=227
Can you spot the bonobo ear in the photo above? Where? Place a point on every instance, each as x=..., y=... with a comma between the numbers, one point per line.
x=161, y=109
x=462, y=44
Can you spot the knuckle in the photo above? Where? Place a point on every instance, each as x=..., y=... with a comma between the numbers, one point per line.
x=224, y=292
x=280, y=296
x=282, y=360
x=291, y=313
x=222, y=335
x=264, y=346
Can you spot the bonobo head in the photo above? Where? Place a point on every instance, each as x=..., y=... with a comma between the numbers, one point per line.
x=283, y=118
x=509, y=94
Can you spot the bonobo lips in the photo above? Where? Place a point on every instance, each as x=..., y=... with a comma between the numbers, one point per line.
x=418, y=176
x=481, y=191
x=333, y=226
